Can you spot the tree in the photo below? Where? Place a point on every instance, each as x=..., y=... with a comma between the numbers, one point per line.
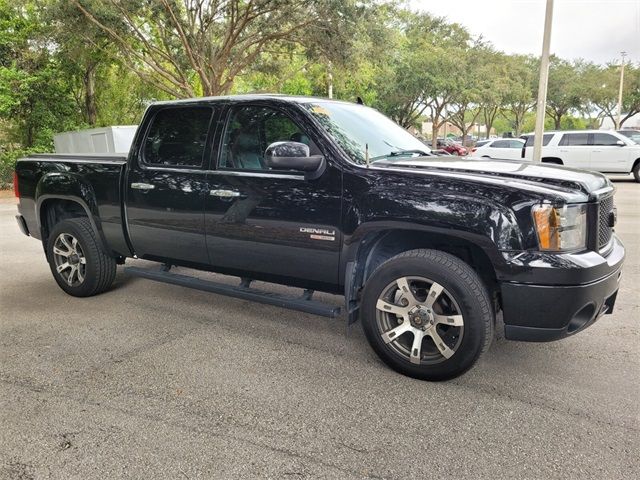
x=631, y=93
x=35, y=97
x=600, y=85
x=600, y=90
x=426, y=72
x=476, y=90
x=194, y=47
x=82, y=49
x=494, y=86
x=520, y=90
x=564, y=92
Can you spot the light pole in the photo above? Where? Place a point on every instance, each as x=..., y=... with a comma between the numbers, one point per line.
x=542, y=84
x=624, y=55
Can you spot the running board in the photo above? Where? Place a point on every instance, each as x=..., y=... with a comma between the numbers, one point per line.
x=243, y=291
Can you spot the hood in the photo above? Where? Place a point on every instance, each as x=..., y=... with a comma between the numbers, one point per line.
x=562, y=178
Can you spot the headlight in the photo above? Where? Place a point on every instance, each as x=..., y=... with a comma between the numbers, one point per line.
x=561, y=228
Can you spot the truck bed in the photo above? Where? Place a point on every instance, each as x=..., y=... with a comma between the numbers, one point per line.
x=82, y=157
x=95, y=180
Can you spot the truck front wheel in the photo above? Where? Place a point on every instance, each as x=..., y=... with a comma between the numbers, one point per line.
x=427, y=314
x=78, y=263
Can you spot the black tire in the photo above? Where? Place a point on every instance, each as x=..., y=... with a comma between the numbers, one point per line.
x=636, y=171
x=552, y=161
x=468, y=294
x=98, y=269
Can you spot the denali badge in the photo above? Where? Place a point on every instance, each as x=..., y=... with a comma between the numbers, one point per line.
x=319, y=233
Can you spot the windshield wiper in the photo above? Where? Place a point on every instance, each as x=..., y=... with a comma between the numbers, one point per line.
x=399, y=153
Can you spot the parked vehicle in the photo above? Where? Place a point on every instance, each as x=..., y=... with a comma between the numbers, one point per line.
x=500, y=148
x=333, y=196
x=632, y=134
x=451, y=147
x=597, y=150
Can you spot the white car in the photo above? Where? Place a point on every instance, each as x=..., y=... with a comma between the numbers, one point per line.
x=604, y=151
x=501, y=148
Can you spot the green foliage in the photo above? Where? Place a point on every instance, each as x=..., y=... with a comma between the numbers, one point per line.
x=35, y=95
x=68, y=64
x=8, y=163
x=565, y=92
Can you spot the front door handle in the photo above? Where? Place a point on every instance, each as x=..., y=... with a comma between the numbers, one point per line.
x=143, y=186
x=224, y=193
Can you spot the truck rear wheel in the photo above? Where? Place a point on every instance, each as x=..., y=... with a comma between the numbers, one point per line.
x=427, y=314
x=636, y=171
x=78, y=263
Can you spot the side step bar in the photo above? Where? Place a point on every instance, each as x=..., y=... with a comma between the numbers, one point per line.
x=243, y=291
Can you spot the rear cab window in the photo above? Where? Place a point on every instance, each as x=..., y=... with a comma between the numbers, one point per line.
x=177, y=137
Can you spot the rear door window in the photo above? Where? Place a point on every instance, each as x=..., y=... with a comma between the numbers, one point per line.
x=500, y=144
x=574, y=139
x=177, y=137
x=546, y=138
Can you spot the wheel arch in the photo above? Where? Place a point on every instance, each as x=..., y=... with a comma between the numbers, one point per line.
x=69, y=195
x=554, y=160
x=53, y=208
x=376, y=247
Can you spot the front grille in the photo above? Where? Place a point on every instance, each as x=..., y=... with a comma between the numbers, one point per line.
x=605, y=230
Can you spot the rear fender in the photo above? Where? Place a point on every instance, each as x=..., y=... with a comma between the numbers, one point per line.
x=71, y=187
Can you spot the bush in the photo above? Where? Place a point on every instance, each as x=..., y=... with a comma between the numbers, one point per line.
x=8, y=160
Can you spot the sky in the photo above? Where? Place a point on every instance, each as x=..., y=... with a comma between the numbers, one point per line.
x=596, y=30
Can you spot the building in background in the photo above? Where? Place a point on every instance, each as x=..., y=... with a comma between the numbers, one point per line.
x=450, y=130
x=632, y=123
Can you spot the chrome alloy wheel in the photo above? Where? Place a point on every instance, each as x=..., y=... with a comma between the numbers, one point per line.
x=71, y=264
x=420, y=320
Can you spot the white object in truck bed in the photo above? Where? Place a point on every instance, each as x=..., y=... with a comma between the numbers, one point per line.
x=115, y=139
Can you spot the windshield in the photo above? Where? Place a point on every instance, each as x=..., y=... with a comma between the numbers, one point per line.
x=354, y=127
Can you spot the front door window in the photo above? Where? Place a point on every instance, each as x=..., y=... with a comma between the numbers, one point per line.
x=250, y=130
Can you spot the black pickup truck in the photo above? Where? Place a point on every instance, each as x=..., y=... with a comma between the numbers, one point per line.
x=333, y=196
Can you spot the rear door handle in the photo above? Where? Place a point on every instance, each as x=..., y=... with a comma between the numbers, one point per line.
x=143, y=186
x=224, y=193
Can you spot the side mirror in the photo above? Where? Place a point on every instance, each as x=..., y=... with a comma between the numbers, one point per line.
x=620, y=143
x=294, y=156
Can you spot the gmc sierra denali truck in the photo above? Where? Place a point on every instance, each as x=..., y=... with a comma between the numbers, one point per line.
x=333, y=196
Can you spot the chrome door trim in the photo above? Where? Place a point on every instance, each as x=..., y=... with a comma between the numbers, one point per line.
x=224, y=193
x=235, y=173
x=142, y=186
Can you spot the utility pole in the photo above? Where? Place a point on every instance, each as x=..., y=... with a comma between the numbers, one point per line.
x=624, y=55
x=542, y=84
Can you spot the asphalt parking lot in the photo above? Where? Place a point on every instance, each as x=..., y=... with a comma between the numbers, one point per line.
x=156, y=381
